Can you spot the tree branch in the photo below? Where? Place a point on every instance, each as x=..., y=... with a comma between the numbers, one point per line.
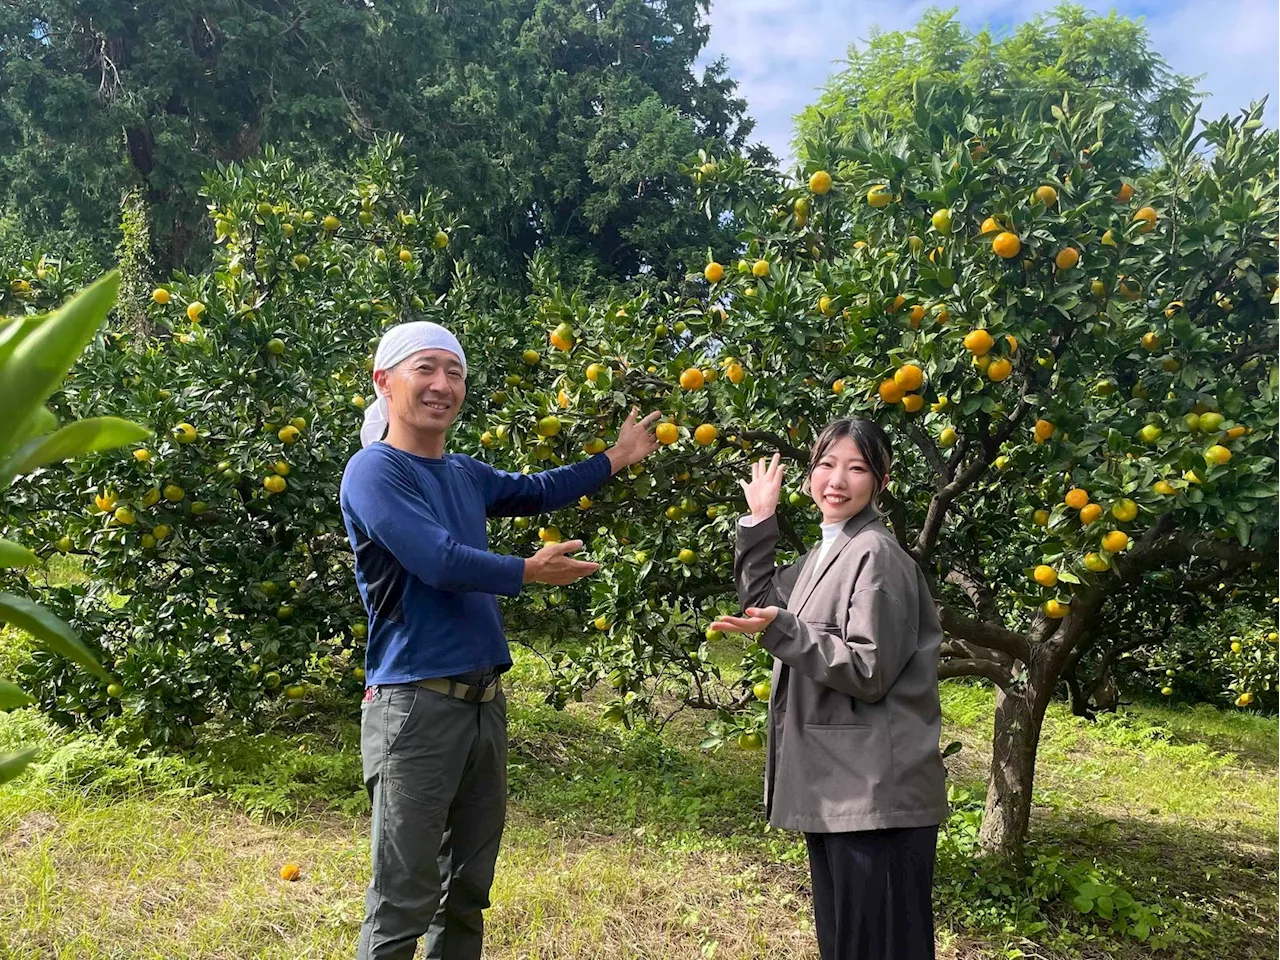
x=976, y=668
x=990, y=635
x=978, y=592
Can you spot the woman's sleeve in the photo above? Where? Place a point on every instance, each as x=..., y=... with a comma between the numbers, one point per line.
x=864, y=663
x=761, y=582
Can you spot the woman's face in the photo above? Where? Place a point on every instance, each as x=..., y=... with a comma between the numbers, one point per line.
x=842, y=483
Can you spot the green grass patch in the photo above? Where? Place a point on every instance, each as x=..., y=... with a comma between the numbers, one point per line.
x=633, y=842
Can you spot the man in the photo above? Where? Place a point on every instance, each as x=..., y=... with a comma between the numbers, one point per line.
x=433, y=731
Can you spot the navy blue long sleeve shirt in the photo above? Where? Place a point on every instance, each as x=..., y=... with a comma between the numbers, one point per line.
x=428, y=581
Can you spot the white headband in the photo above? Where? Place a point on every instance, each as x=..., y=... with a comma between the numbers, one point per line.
x=396, y=344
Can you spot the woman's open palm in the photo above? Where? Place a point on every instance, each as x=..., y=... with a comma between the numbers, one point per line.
x=765, y=486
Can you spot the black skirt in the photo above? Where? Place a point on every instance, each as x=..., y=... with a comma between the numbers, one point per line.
x=873, y=893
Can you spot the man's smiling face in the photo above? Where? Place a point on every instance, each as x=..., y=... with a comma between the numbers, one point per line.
x=425, y=390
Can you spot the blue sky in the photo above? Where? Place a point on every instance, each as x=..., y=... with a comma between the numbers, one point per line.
x=781, y=51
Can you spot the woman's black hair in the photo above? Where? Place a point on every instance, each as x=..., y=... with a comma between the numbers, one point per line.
x=870, y=439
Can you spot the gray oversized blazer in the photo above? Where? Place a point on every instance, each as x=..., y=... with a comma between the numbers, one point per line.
x=854, y=717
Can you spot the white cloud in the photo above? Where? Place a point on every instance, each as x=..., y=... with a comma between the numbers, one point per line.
x=781, y=53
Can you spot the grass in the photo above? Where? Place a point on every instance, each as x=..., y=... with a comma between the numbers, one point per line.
x=624, y=843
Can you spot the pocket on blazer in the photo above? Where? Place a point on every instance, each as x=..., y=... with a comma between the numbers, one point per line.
x=845, y=762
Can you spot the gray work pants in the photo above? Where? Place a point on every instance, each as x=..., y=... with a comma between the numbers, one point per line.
x=436, y=770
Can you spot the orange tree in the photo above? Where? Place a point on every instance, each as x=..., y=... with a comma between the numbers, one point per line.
x=1078, y=367
x=1076, y=364
x=217, y=569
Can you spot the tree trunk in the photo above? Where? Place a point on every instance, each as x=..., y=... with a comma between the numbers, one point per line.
x=1019, y=716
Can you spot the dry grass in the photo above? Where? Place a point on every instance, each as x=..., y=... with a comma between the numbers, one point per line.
x=595, y=866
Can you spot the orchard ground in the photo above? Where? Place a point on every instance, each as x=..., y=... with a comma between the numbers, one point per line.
x=625, y=843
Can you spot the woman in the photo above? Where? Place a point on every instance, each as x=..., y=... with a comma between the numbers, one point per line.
x=854, y=718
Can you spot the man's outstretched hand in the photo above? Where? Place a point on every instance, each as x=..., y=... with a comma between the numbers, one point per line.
x=635, y=441
x=552, y=565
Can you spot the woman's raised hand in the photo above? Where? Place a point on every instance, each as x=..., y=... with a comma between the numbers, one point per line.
x=765, y=486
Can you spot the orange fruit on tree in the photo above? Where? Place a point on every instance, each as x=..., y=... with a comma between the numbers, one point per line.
x=1096, y=562
x=1151, y=341
x=1163, y=487
x=990, y=225
x=1115, y=541
x=1045, y=575
x=595, y=371
x=1217, y=455
x=275, y=483
x=706, y=434
x=1056, y=609
x=915, y=315
x=1000, y=369
x=1076, y=498
x=820, y=182
x=562, y=337
x=1125, y=193
x=947, y=438
x=594, y=446
x=666, y=432
x=1044, y=430
x=1148, y=216
x=879, y=196
x=195, y=310
x=713, y=272
x=978, y=342
x=548, y=426
x=549, y=534
x=735, y=373
x=898, y=301
x=912, y=402
x=1012, y=341
x=1089, y=513
x=837, y=387
x=760, y=268
x=1236, y=432
x=1046, y=195
x=1067, y=258
x=1040, y=518
x=692, y=379
x=1124, y=510
x=909, y=377
x=890, y=391
x=1006, y=245
x=160, y=295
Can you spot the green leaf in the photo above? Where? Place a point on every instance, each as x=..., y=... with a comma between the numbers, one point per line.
x=12, y=764
x=35, y=368
x=1082, y=903
x=13, y=696
x=51, y=631
x=16, y=555
x=83, y=436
